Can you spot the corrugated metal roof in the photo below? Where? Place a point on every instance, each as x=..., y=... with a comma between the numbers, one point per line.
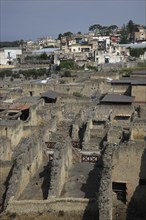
x=117, y=98
x=19, y=106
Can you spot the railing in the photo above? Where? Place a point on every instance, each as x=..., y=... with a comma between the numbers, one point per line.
x=89, y=158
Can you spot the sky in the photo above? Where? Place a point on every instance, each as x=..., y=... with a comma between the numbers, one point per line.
x=32, y=19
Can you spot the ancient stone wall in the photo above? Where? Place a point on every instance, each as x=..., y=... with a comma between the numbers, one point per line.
x=5, y=149
x=37, y=88
x=127, y=166
x=5, y=170
x=98, y=75
x=27, y=158
x=49, y=111
x=32, y=119
x=105, y=190
x=54, y=208
x=61, y=164
x=87, y=89
x=114, y=135
x=137, y=91
x=86, y=138
x=12, y=129
x=74, y=99
x=138, y=130
x=73, y=109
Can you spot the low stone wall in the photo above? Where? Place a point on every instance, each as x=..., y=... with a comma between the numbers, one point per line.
x=52, y=205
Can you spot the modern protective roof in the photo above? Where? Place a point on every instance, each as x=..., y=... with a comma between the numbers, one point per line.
x=19, y=106
x=117, y=98
x=121, y=81
x=139, y=72
x=45, y=50
x=129, y=81
x=28, y=99
x=136, y=45
x=50, y=94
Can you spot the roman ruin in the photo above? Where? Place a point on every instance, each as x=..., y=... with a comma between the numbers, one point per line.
x=73, y=147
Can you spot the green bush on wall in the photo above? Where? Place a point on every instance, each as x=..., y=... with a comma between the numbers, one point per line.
x=67, y=64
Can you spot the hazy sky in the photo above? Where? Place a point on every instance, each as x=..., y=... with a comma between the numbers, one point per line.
x=26, y=19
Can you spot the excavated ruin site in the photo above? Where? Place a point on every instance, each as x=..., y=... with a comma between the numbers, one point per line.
x=73, y=148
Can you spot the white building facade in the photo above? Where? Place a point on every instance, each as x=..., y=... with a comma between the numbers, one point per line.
x=8, y=55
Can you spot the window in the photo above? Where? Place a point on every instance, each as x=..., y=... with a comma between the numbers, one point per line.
x=8, y=54
x=106, y=60
x=121, y=117
x=98, y=122
x=120, y=189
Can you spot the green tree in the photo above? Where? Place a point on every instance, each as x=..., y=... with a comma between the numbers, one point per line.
x=59, y=36
x=131, y=27
x=66, y=34
x=124, y=35
x=43, y=56
x=136, y=52
x=113, y=28
x=95, y=27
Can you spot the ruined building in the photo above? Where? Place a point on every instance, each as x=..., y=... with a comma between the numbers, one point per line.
x=75, y=150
